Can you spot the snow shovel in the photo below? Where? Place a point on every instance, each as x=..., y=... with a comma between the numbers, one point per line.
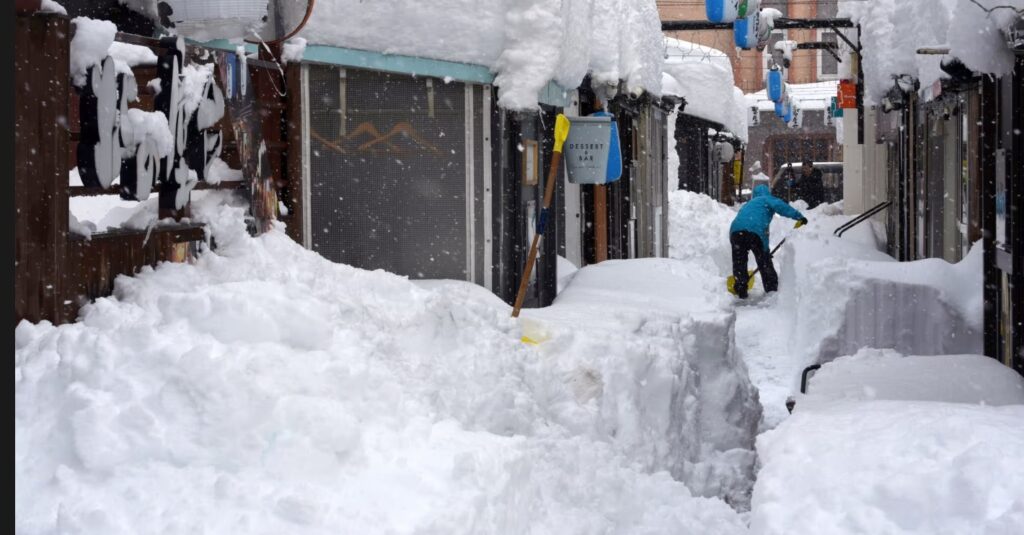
x=561, y=132
x=730, y=282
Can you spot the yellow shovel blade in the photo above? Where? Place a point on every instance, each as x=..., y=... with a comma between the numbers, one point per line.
x=730, y=283
x=561, y=131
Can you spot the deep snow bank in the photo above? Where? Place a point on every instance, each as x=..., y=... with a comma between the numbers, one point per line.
x=698, y=228
x=847, y=295
x=891, y=444
x=872, y=374
x=648, y=346
x=266, y=390
x=836, y=295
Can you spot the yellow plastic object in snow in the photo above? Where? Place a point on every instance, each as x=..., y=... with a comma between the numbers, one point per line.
x=533, y=332
x=561, y=131
x=730, y=283
x=798, y=224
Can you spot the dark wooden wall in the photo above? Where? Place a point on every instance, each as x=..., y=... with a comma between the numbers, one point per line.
x=56, y=273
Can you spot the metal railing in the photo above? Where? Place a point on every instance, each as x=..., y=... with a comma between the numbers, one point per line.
x=861, y=218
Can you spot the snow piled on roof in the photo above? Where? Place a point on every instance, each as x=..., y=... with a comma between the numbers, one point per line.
x=527, y=43
x=884, y=443
x=812, y=96
x=893, y=30
x=703, y=76
x=264, y=389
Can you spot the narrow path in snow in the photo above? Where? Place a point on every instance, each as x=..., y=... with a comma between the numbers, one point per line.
x=762, y=340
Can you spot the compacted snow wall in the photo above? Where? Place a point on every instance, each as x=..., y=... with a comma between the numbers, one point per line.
x=884, y=443
x=648, y=346
x=848, y=296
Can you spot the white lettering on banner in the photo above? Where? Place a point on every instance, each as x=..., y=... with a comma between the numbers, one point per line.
x=99, y=151
x=118, y=141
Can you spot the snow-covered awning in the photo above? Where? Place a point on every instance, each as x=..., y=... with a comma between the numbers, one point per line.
x=893, y=30
x=703, y=76
x=526, y=44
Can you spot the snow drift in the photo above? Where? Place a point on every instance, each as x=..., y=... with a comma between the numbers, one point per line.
x=848, y=295
x=650, y=342
x=891, y=444
x=267, y=390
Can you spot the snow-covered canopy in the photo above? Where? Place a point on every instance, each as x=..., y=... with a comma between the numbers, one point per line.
x=894, y=30
x=703, y=76
x=527, y=43
x=813, y=96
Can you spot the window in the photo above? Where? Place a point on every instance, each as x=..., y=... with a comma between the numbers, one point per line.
x=828, y=67
x=781, y=5
x=827, y=8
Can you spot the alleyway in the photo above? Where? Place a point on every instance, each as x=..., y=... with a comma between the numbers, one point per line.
x=265, y=267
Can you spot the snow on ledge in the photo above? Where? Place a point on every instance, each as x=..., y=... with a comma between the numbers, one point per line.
x=884, y=374
x=704, y=77
x=884, y=443
x=911, y=467
x=893, y=30
x=525, y=43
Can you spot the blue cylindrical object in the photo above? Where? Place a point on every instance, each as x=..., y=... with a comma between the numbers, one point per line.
x=787, y=112
x=745, y=31
x=778, y=109
x=774, y=84
x=720, y=10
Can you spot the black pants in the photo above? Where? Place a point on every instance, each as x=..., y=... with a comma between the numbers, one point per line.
x=742, y=242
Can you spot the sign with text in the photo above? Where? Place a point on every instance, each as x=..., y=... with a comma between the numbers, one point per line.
x=589, y=150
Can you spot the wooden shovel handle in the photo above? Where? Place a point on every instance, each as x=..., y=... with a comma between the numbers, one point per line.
x=549, y=192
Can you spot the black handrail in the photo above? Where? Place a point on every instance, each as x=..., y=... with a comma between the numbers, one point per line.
x=861, y=218
x=803, y=377
x=791, y=401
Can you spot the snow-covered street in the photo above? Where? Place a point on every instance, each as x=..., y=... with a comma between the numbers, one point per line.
x=293, y=395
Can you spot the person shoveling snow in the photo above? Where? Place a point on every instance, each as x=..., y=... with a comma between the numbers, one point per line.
x=749, y=233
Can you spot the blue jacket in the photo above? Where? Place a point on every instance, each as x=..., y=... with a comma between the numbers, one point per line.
x=756, y=215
